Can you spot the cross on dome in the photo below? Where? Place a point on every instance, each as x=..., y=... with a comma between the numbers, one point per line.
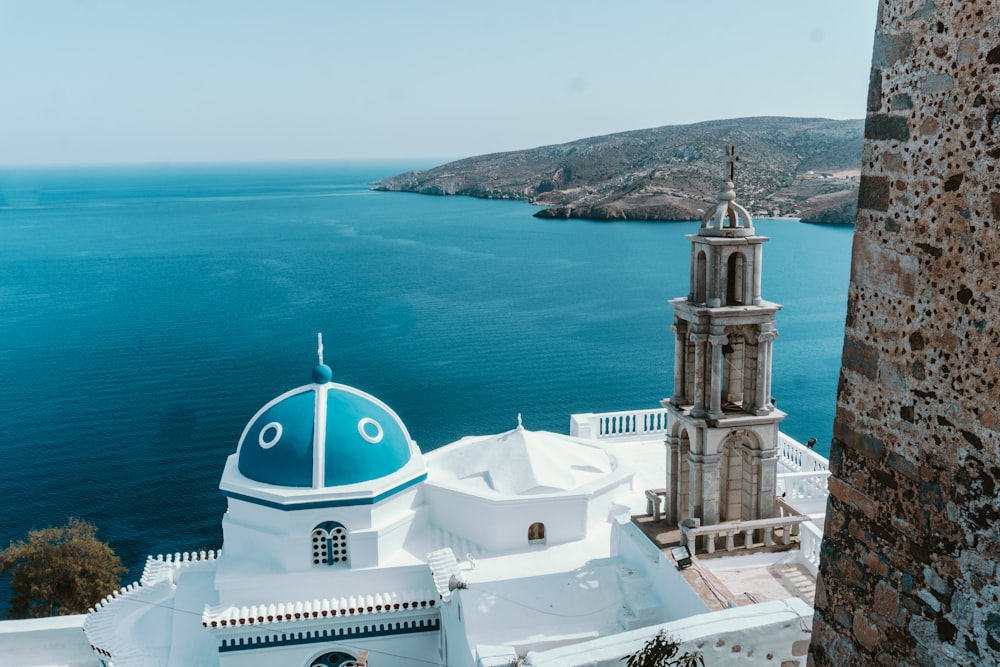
x=727, y=218
x=732, y=160
x=322, y=373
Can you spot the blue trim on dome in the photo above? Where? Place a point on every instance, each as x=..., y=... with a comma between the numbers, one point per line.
x=319, y=504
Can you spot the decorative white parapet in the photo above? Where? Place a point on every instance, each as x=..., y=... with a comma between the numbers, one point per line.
x=767, y=634
x=810, y=541
x=793, y=486
x=301, y=610
x=690, y=532
x=793, y=455
x=166, y=567
x=630, y=423
x=796, y=457
x=152, y=590
x=444, y=566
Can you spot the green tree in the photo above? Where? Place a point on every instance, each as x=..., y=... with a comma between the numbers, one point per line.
x=59, y=571
x=661, y=651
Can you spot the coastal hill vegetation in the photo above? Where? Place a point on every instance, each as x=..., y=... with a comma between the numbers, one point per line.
x=798, y=167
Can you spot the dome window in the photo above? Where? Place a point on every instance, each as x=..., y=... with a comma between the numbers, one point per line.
x=536, y=533
x=269, y=435
x=329, y=544
x=371, y=430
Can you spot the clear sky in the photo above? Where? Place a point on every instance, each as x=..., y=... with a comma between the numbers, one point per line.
x=91, y=81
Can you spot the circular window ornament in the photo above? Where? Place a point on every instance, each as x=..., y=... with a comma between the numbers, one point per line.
x=370, y=430
x=269, y=435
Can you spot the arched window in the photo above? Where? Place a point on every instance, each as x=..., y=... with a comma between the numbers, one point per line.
x=700, y=277
x=735, y=284
x=334, y=659
x=536, y=533
x=329, y=544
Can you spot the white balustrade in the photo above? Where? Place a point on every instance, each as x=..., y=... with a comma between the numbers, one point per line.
x=629, y=423
x=810, y=541
x=788, y=523
x=796, y=457
x=803, y=485
x=793, y=456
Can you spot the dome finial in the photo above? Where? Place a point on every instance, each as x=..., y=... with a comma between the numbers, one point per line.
x=520, y=426
x=322, y=373
x=727, y=218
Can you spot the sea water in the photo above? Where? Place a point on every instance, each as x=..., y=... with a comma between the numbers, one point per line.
x=147, y=313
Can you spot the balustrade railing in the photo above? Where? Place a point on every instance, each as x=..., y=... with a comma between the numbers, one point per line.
x=618, y=424
x=810, y=541
x=803, y=485
x=793, y=455
x=796, y=457
x=788, y=525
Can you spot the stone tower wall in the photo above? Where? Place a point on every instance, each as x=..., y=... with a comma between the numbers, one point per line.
x=910, y=559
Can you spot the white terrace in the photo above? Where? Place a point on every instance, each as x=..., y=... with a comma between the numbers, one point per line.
x=801, y=490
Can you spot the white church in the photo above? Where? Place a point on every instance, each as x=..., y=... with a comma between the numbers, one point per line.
x=345, y=545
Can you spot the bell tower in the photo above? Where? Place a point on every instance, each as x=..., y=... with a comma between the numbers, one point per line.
x=722, y=424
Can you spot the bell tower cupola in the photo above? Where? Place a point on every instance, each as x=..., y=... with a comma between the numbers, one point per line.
x=723, y=421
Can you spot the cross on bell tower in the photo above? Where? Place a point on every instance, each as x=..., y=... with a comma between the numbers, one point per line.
x=722, y=423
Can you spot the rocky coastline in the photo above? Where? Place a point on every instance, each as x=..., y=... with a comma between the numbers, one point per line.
x=787, y=167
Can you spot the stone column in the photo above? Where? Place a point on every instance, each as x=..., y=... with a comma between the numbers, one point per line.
x=767, y=338
x=695, y=485
x=679, y=330
x=715, y=386
x=710, y=489
x=673, y=447
x=712, y=299
x=762, y=400
x=767, y=476
x=758, y=268
x=699, y=340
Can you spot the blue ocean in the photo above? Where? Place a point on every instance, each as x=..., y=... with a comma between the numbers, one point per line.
x=146, y=313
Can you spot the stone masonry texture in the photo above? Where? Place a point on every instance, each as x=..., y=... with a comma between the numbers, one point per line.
x=912, y=541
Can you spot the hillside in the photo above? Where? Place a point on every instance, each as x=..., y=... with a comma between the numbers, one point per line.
x=806, y=167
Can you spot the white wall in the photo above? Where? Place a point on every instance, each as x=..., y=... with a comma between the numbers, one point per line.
x=628, y=542
x=771, y=633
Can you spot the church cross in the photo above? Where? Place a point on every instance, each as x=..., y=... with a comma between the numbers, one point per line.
x=732, y=160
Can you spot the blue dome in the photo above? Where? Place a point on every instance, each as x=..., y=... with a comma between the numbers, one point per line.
x=323, y=435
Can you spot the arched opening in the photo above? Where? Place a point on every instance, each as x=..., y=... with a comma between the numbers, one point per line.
x=700, y=277
x=329, y=544
x=536, y=533
x=334, y=659
x=735, y=280
x=740, y=479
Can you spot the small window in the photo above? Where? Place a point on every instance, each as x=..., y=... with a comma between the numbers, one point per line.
x=536, y=533
x=329, y=544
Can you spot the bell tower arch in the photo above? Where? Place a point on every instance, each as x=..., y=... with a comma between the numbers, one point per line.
x=723, y=334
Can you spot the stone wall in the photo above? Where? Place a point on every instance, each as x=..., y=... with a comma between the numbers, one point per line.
x=912, y=543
